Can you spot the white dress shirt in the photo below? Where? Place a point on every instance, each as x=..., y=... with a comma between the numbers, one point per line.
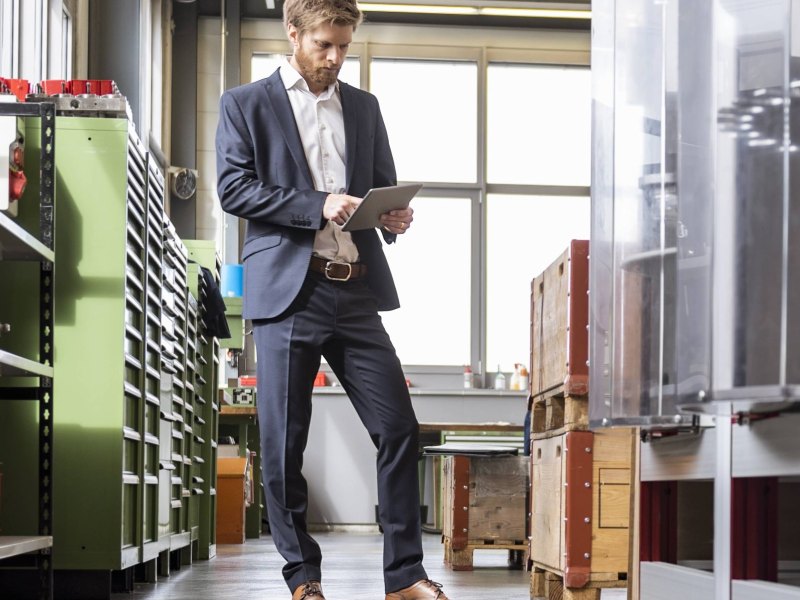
x=320, y=122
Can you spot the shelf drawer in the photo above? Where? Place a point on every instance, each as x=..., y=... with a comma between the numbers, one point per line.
x=152, y=419
x=130, y=513
x=135, y=202
x=131, y=462
x=133, y=342
x=151, y=463
x=150, y=521
x=132, y=408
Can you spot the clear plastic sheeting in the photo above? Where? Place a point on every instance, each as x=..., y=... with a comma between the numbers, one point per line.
x=695, y=256
x=635, y=213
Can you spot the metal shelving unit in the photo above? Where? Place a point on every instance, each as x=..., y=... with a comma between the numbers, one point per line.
x=17, y=243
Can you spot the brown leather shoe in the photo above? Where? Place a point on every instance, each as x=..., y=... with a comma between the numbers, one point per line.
x=424, y=589
x=310, y=590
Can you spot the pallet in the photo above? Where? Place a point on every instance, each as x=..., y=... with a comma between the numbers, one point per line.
x=462, y=559
x=549, y=585
x=558, y=413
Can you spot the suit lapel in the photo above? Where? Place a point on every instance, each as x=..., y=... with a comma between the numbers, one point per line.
x=350, y=129
x=279, y=103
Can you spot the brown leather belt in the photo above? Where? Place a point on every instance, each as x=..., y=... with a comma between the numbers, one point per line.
x=337, y=271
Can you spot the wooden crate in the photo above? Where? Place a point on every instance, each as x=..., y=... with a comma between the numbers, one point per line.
x=559, y=320
x=485, y=505
x=580, y=507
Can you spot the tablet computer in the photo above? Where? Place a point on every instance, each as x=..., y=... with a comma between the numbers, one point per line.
x=379, y=201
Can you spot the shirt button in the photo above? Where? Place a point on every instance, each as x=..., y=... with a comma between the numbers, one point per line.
x=322, y=127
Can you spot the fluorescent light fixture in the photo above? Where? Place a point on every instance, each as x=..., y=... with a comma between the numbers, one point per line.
x=541, y=13
x=493, y=11
x=428, y=9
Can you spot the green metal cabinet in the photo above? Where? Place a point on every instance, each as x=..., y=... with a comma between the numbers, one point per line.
x=135, y=468
x=152, y=542
x=177, y=401
x=108, y=328
x=203, y=253
x=129, y=426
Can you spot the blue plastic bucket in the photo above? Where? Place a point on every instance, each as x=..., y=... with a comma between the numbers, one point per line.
x=231, y=280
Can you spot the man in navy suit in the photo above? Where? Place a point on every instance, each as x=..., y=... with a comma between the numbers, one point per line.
x=295, y=154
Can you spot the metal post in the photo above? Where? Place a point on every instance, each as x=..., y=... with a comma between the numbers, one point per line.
x=722, y=504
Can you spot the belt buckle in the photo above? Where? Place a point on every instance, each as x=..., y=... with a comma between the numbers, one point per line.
x=328, y=275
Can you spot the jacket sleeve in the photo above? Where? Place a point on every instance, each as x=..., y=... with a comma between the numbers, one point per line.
x=384, y=170
x=242, y=193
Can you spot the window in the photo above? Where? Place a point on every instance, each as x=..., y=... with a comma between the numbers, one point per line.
x=27, y=43
x=433, y=282
x=498, y=131
x=439, y=142
x=539, y=121
x=66, y=44
x=8, y=27
x=156, y=99
x=524, y=235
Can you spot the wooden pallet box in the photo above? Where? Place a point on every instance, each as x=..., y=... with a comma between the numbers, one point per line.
x=580, y=506
x=559, y=321
x=485, y=504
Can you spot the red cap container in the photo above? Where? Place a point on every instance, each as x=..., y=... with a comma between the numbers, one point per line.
x=51, y=87
x=19, y=87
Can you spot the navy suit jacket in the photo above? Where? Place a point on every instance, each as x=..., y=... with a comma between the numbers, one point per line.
x=264, y=178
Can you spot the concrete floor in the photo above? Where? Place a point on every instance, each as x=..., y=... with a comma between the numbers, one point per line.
x=351, y=571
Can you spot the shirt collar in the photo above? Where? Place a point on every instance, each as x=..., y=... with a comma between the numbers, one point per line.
x=291, y=77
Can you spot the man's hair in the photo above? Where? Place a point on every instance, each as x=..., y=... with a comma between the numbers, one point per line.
x=307, y=15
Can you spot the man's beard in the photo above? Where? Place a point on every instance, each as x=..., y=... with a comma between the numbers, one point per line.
x=318, y=75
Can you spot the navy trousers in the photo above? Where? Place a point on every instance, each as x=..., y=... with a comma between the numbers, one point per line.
x=339, y=321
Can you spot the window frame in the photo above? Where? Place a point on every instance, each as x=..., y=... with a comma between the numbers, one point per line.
x=484, y=46
x=9, y=37
x=67, y=41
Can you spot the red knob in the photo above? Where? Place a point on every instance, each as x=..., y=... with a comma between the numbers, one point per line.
x=16, y=184
x=18, y=157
